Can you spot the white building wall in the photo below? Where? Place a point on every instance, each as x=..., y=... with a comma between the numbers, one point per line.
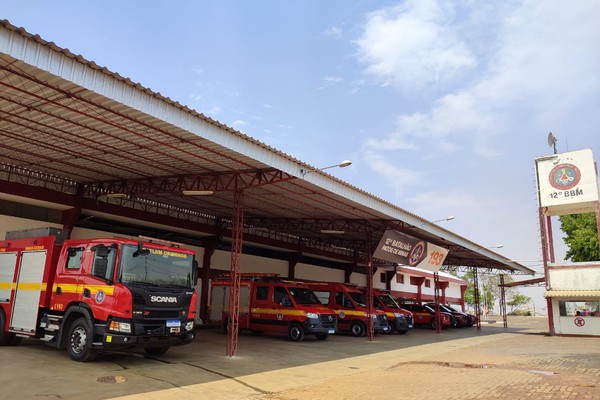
x=314, y=273
x=574, y=325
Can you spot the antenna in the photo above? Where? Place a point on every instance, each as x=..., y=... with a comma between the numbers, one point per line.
x=552, y=141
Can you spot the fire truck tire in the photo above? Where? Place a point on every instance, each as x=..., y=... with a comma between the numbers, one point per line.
x=322, y=336
x=357, y=329
x=80, y=341
x=433, y=324
x=6, y=338
x=156, y=351
x=296, y=332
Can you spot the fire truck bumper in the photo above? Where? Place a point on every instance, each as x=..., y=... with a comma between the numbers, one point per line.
x=113, y=341
x=317, y=326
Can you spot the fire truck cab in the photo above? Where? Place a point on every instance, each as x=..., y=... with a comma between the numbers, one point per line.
x=275, y=305
x=350, y=306
x=400, y=320
x=91, y=295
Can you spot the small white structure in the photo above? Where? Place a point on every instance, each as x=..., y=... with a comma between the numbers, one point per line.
x=574, y=291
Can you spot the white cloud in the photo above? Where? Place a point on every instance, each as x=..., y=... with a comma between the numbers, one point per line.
x=333, y=79
x=239, y=123
x=541, y=65
x=333, y=32
x=414, y=44
x=397, y=178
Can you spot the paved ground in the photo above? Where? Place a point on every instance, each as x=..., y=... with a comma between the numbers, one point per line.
x=520, y=362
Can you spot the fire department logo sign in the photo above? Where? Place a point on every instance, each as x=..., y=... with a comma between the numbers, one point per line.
x=100, y=296
x=564, y=176
x=279, y=316
x=417, y=253
x=342, y=315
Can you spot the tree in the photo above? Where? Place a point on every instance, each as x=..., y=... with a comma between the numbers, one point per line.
x=582, y=237
x=517, y=301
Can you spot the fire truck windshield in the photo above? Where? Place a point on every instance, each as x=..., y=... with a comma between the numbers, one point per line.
x=388, y=301
x=155, y=267
x=359, y=298
x=304, y=296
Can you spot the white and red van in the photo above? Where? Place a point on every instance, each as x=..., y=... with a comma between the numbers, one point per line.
x=269, y=304
x=350, y=306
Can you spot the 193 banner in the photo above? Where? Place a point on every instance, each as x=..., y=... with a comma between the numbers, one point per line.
x=403, y=249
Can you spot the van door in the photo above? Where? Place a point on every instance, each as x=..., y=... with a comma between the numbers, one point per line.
x=261, y=312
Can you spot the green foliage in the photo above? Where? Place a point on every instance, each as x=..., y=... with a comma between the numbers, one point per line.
x=517, y=300
x=582, y=237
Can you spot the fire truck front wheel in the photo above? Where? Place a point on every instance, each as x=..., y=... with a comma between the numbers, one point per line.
x=357, y=329
x=296, y=332
x=6, y=338
x=80, y=341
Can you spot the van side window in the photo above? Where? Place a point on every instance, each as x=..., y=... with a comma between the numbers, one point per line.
x=262, y=293
x=343, y=300
x=282, y=297
x=322, y=296
x=74, y=259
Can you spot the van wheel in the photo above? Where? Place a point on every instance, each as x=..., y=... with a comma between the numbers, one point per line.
x=322, y=336
x=433, y=324
x=7, y=338
x=156, y=351
x=357, y=329
x=295, y=332
x=80, y=341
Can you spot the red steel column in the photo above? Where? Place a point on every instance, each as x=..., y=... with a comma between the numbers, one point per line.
x=234, y=295
x=370, y=330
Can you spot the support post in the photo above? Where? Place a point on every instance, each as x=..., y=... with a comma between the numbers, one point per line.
x=209, y=249
x=436, y=299
x=545, y=255
x=476, y=298
x=234, y=295
x=503, y=301
x=370, y=330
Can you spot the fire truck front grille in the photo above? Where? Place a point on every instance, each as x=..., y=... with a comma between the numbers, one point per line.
x=327, y=319
x=161, y=314
x=381, y=318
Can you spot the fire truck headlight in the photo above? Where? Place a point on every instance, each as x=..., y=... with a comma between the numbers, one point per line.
x=116, y=326
x=312, y=315
x=397, y=314
x=189, y=325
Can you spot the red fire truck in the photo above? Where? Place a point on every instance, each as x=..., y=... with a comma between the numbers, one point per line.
x=400, y=320
x=350, y=306
x=275, y=305
x=93, y=295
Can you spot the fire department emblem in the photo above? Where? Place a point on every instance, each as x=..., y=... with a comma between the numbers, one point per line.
x=417, y=254
x=564, y=176
x=279, y=316
x=100, y=296
x=342, y=315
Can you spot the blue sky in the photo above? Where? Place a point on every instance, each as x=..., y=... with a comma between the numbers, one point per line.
x=441, y=105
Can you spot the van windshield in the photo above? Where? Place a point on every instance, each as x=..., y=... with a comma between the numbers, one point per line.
x=359, y=299
x=304, y=296
x=388, y=301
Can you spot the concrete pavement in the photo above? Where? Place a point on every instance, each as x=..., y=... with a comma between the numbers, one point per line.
x=519, y=362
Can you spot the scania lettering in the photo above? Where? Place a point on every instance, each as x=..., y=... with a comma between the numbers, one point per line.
x=95, y=295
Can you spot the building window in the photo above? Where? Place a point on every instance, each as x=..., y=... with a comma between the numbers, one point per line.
x=414, y=280
x=399, y=278
x=382, y=277
x=583, y=308
x=427, y=282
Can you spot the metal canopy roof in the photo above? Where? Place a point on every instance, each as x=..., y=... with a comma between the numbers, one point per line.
x=77, y=135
